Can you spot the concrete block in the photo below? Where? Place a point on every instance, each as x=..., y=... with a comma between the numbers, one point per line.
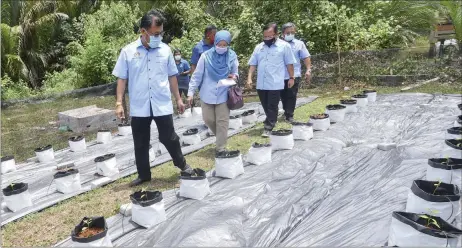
x=88, y=118
x=100, y=182
x=126, y=209
x=386, y=146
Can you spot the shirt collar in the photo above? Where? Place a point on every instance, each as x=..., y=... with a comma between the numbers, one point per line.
x=139, y=43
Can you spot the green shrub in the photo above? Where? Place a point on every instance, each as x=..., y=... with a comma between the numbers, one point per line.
x=58, y=82
x=14, y=90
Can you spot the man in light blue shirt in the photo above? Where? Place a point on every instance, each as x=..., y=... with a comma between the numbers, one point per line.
x=273, y=56
x=289, y=95
x=148, y=65
x=203, y=45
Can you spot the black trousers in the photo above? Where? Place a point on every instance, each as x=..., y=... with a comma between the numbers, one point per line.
x=269, y=100
x=289, y=97
x=184, y=92
x=141, y=129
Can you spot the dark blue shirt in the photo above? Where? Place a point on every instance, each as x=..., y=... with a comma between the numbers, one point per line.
x=183, y=80
x=197, y=51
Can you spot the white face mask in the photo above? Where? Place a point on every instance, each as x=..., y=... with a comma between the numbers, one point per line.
x=289, y=37
x=177, y=57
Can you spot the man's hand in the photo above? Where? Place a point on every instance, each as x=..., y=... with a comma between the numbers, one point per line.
x=120, y=112
x=248, y=85
x=190, y=100
x=308, y=76
x=291, y=82
x=180, y=105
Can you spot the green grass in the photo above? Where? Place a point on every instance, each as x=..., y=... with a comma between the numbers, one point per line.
x=53, y=224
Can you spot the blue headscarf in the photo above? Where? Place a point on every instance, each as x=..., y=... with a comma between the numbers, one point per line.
x=219, y=65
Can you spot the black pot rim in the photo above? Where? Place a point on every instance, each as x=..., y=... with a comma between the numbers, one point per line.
x=199, y=174
x=326, y=116
x=282, y=132
x=369, y=91
x=76, y=138
x=297, y=123
x=258, y=145
x=349, y=101
x=135, y=198
x=66, y=173
x=22, y=187
x=101, y=223
x=421, y=189
x=104, y=131
x=7, y=158
x=452, y=142
x=412, y=219
x=104, y=157
x=124, y=125
x=233, y=117
x=43, y=148
x=191, y=131
x=335, y=107
x=359, y=96
x=455, y=130
x=459, y=119
x=460, y=106
x=228, y=154
x=248, y=112
x=438, y=163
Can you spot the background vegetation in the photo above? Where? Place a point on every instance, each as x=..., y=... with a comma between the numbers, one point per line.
x=53, y=46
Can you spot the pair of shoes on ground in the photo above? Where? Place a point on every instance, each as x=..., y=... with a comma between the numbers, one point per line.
x=186, y=171
x=267, y=133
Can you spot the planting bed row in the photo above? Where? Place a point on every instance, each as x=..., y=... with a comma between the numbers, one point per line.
x=40, y=176
x=337, y=189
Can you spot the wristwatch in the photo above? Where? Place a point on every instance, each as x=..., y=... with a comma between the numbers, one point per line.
x=118, y=104
x=291, y=78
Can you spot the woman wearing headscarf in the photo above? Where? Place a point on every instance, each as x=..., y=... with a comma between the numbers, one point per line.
x=215, y=64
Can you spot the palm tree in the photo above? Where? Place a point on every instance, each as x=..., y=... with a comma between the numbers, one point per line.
x=11, y=63
x=38, y=24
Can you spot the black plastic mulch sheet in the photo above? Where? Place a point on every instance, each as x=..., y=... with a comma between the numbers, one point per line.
x=39, y=176
x=337, y=189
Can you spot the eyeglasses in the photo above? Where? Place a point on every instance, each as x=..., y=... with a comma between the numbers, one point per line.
x=156, y=35
x=268, y=37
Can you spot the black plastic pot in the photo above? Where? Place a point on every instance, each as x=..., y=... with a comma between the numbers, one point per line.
x=191, y=131
x=459, y=119
x=234, y=117
x=369, y=91
x=455, y=130
x=317, y=118
x=446, y=164
x=296, y=123
x=456, y=144
x=348, y=101
x=104, y=131
x=335, y=107
x=65, y=173
x=124, y=125
x=150, y=198
x=258, y=145
x=7, y=158
x=444, y=193
x=249, y=112
x=460, y=106
x=360, y=96
x=43, y=148
x=76, y=138
x=282, y=132
x=419, y=224
x=199, y=174
x=17, y=188
x=104, y=157
x=95, y=222
x=227, y=154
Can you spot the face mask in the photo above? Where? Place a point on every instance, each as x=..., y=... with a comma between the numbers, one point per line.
x=221, y=50
x=154, y=42
x=269, y=42
x=177, y=57
x=289, y=37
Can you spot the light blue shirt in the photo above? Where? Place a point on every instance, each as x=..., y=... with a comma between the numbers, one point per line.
x=147, y=72
x=300, y=52
x=271, y=64
x=209, y=93
x=197, y=51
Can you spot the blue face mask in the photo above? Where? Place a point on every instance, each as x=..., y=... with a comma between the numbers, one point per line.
x=221, y=50
x=154, y=41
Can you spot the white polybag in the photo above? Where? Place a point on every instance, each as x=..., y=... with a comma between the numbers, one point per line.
x=229, y=165
x=259, y=154
x=148, y=213
x=302, y=131
x=125, y=130
x=336, y=112
x=454, y=133
x=68, y=181
x=107, y=165
x=351, y=106
x=371, y=95
x=18, y=197
x=282, y=140
x=439, y=170
x=195, y=187
x=406, y=232
x=361, y=100
x=45, y=154
x=452, y=150
x=421, y=200
x=77, y=144
x=235, y=122
x=197, y=111
x=99, y=240
x=191, y=137
x=186, y=114
x=103, y=137
x=457, y=124
x=102, y=242
x=8, y=164
x=249, y=117
x=320, y=124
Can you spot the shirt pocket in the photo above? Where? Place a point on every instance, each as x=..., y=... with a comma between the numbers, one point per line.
x=162, y=63
x=275, y=57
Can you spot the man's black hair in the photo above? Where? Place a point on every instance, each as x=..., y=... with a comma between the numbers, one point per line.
x=147, y=19
x=209, y=28
x=271, y=25
x=177, y=51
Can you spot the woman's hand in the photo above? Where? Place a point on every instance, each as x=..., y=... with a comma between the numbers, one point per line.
x=190, y=100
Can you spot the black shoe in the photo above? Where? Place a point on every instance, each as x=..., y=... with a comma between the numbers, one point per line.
x=137, y=182
x=290, y=119
x=187, y=171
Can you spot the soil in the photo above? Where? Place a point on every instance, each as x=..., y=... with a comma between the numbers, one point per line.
x=369, y=91
x=319, y=116
x=43, y=148
x=76, y=138
x=359, y=96
x=247, y=113
x=335, y=107
x=89, y=232
x=351, y=101
x=124, y=125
